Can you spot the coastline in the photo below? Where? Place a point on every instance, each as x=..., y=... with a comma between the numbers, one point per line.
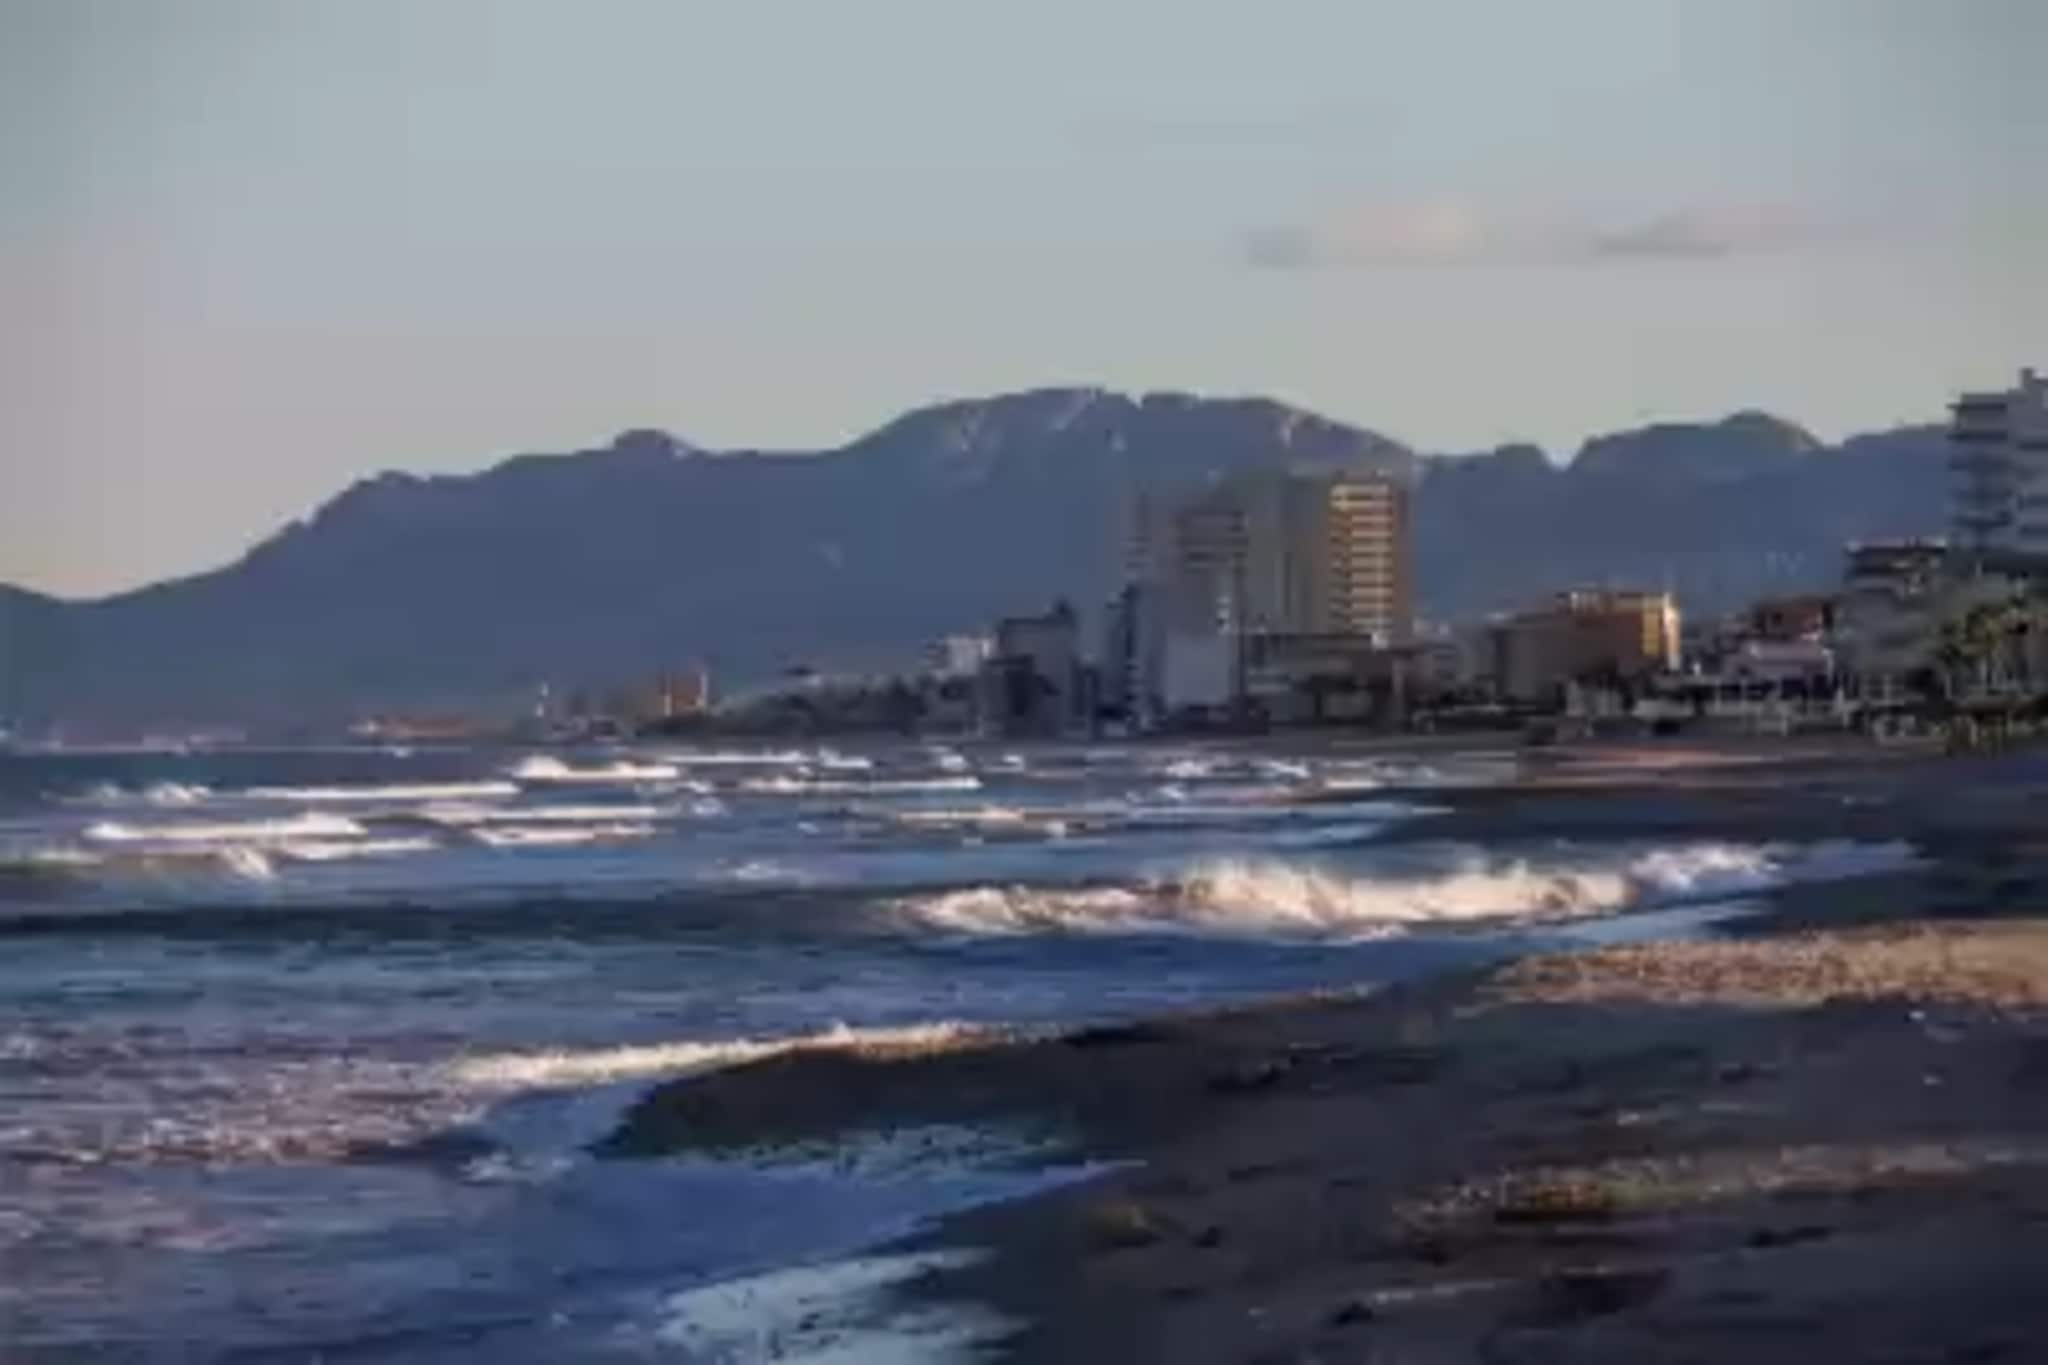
x=1822, y=1133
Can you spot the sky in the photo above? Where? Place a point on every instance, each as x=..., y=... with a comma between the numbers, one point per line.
x=251, y=251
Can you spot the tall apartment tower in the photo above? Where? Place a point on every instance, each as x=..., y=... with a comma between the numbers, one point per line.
x=1310, y=551
x=1998, y=450
x=1366, y=589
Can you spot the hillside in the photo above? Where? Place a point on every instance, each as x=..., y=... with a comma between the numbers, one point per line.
x=605, y=564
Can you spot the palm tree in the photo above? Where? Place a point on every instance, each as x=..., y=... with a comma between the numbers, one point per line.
x=1986, y=647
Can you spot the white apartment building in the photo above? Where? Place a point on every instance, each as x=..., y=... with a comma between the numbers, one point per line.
x=1998, y=445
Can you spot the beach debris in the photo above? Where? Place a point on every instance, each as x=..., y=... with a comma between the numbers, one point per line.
x=1557, y=1200
x=1123, y=1224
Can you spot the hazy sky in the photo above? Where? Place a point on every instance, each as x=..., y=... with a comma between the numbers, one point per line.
x=252, y=249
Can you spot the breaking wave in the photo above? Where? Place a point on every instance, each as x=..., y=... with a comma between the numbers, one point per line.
x=786, y=785
x=464, y=815
x=168, y=794
x=829, y=759
x=409, y=791
x=340, y=850
x=311, y=825
x=545, y=768
x=558, y=836
x=739, y=758
x=560, y=1069
x=1268, y=899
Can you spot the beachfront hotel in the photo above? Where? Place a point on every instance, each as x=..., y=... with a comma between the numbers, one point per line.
x=1998, y=444
x=1300, y=551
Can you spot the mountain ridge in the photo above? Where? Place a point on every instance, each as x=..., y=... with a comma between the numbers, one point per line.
x=597, y=566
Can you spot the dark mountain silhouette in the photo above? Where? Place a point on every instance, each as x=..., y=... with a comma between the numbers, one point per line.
x=602, y=566
x=1720, y=513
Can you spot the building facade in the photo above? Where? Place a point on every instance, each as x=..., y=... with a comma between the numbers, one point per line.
x=1585, y=636
x=1888, y=614
x=1998, y=451
x=1307, y=551
x=1133, y=658
x=958, y=656
x=1033, y=683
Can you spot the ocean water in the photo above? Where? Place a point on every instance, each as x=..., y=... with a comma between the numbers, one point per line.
x=302, y=1053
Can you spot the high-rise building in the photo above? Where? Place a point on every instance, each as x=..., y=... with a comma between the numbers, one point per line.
x=1998, y=444
x=1279, y=552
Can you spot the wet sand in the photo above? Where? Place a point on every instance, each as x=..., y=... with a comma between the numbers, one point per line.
x=1824, y=1138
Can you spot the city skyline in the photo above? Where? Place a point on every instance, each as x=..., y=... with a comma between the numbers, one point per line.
x=252, y=255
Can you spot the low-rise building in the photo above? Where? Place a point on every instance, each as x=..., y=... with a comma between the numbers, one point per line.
x=1603, y=636
x=1888, y=614
x=1033, y=682
x=1310, y=679
x=958, y=656
x=1784, y=620
x=1199, y=673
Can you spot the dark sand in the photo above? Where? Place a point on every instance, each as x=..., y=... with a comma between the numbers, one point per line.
x=1823, y=1139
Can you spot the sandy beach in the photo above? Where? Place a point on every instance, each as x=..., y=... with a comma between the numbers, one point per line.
x=1821, y=1136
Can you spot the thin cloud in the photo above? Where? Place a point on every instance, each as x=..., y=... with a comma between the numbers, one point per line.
x=1381, y=234
x=1734, y=230
x=1448, y=233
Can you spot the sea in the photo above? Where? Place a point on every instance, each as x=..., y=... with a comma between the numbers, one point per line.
x=306, y=1054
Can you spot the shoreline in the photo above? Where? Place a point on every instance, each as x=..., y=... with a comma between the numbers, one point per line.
x=1679, y=1150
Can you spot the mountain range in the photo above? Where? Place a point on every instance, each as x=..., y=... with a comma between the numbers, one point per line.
x=606, y=565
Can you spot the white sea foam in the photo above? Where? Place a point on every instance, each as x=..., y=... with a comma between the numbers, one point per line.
x=55, y=855
x=1271, y=899
x=166, y=794
x=507, y=1168
x=251, y=864
x=598, y=1066
x=341, y=850
x=741, y=758
x=1324, y=836
x=989, y=817
x=787, y=785
x=766, y=872
x=558, y=836
x=948, y=760
x=310, y=825
x=402, y=791
x=547, y=768
x=779, y=785
x=463, y=814
x=836, y=1313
